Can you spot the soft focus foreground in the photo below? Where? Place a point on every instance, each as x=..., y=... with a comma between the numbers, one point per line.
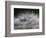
x=26, y=21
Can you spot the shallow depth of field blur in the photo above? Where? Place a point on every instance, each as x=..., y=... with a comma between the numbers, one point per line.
x=26, y=18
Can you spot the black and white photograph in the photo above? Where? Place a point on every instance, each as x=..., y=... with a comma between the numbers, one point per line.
x=26, y=18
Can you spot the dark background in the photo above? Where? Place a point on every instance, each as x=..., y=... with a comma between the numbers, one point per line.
x=18, y=11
